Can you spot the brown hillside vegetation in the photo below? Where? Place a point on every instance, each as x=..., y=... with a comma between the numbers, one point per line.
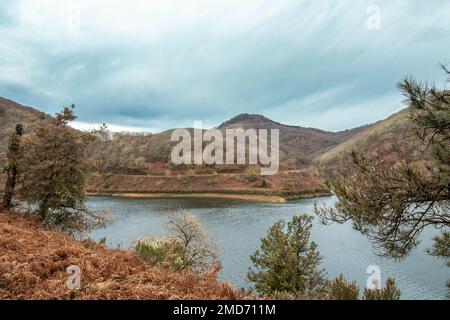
x=144, y=155
x=392, y=139
x=33, y=263
x=133, y=153
x=10, y=114
x=287, y=184
x=298, y=145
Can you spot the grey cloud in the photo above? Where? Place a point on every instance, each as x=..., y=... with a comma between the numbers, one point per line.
x=304, y=61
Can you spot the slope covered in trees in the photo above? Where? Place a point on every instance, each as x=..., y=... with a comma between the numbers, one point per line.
x=298, y=145
x=392, y=139
x=133, y=153
x=146, y=153
x=10, y=114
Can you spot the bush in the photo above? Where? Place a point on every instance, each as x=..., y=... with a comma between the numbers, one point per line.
x=341, y=289
x=188, y=247
x=166, y=253
x=91, y=243
x=200, y=250
x=287, y=264
x=287, y=267
x=390, y=292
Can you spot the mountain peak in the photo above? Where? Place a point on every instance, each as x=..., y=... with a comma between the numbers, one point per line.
x=247, y=119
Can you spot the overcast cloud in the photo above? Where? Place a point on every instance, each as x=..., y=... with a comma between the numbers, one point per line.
x=154, y=65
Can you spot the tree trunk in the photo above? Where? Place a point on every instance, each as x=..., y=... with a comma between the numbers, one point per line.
x=43, y=209
x=12, y=156
x=9, y=187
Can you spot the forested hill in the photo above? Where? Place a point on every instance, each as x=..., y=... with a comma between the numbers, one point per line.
x=300, y=147
x=392, y=139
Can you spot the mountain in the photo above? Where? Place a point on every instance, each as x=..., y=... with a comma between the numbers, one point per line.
x=133, y=152
x=391, y=139
x=12, y=113
x=319, y=151
x=298, y=145
x=139, y=163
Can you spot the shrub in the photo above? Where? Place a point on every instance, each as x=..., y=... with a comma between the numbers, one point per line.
x=91, y=243
x=287, y=264
x=341, y=289
x=165, y=253
x=200, y=250
x=188, y=247
x=251, y=178
x=390, y=292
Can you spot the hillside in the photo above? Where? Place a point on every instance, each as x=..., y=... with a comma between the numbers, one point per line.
x=142, y=154
x=114, y=159
x=391, y=139
x=134, y=152
x=276, y=188
x=10, y=114
x=136, y=163
x=131, y=153
x=33, y=263
x=298, y=145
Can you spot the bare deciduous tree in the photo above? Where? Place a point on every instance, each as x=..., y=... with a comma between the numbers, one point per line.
x=201, y=253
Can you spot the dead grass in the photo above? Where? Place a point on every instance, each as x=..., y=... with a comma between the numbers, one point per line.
x=33, y=263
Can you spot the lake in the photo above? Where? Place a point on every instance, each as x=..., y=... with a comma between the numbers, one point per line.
x=237, y=226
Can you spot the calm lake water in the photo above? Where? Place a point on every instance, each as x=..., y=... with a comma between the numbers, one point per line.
x=237, y=227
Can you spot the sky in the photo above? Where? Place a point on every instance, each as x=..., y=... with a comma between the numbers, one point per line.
x=151, y=65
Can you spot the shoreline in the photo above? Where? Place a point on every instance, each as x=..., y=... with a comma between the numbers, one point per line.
x=280, y=188
x=206, y=195
x=209, y=195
